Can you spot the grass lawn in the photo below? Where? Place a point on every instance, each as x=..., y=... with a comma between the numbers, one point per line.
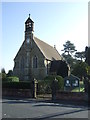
x=79, y=89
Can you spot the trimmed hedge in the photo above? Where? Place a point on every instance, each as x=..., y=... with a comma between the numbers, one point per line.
x=17, y=85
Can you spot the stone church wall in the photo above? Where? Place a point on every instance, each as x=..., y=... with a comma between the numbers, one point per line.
x=26, y=71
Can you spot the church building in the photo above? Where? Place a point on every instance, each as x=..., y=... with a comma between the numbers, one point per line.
x=34, y=57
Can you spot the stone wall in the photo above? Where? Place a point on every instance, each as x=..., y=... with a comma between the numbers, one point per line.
x=17, y=93
x=23, y=67
x=72, y=96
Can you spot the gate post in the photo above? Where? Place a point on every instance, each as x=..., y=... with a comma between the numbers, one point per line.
x=35, y=88
x=54, y=88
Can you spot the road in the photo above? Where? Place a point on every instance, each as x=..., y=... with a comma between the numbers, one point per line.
x=31, y=108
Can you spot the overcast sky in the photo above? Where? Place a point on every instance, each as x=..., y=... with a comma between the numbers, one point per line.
x=54, y=23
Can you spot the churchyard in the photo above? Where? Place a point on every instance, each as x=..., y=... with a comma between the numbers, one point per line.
x=77, y=82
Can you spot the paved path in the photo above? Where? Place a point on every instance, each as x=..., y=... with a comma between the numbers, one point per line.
x=31, y=108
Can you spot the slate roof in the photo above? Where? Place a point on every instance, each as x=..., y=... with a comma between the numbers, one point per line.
x=48, y=51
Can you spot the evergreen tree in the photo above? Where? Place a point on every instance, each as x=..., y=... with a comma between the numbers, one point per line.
x=3, y=70
x=80, y=55
x=69, y=48
x=10, y=73
x=3, y=74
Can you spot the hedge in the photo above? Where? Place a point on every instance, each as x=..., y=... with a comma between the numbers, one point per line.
x=17, y=85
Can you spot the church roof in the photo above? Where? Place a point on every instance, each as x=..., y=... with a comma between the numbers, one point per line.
x=48, y=51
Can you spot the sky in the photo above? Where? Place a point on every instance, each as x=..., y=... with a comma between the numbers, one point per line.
x=54, y=23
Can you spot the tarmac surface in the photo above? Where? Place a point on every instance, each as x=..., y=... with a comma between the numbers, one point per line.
x=25, y=108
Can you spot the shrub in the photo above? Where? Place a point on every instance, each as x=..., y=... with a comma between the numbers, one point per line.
x=60, y=82
x=3, y=77
x=10, y=73
x=45, y=86
x=12, y=79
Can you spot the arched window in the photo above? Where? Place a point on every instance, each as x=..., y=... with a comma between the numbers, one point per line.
x=35, y=62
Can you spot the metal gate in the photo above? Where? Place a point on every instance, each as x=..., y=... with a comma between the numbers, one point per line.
x=43, y=91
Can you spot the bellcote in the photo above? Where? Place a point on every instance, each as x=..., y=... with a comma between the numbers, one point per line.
x=29, y=24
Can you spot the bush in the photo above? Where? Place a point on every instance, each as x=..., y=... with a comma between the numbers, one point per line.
x=12, y=79
x=3, y=77
x=45, y=86
x=60, y=82
x=10, y=73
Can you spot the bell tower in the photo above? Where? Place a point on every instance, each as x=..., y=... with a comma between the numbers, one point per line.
x=29, y=25
x=29, y=29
